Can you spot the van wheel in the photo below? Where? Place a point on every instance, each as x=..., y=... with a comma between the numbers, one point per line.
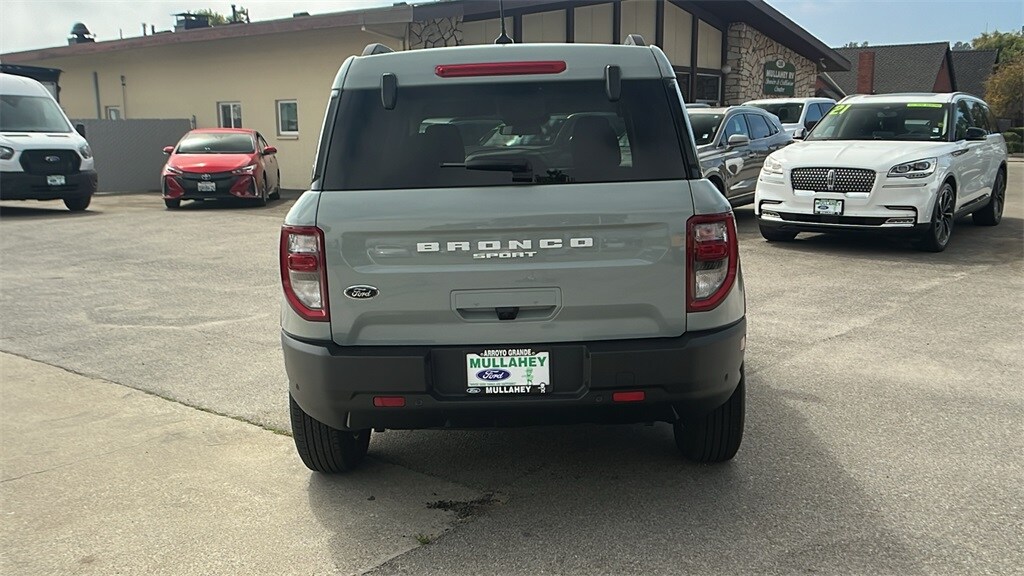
x=936, y=237
x=716, y=436
x=78, y=203
x=992, y=213
x=325, y=449
x=172, y=204
x=776, y=235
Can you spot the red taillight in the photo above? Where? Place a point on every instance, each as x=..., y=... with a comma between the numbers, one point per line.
x=172, y=188
x=304, y=271
x=499, y=69
x=712, y=258
x=388, y=401
x=631, y=396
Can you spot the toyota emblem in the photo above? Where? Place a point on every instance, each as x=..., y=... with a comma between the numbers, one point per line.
x=206, y=176
x=830, y=180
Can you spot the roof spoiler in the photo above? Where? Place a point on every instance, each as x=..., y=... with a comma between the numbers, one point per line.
x=376, y=48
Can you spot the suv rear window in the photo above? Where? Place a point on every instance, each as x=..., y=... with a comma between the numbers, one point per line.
x=470, y=134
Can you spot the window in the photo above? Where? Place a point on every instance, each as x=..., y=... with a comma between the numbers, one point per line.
x=560, y=132
x=961, y=121
x=287, y=118
x=261, y=142
x=705, y=127
x=31, y=114
x=229, y=114
x=113, y=112
x=736, y=125
x=758, y=127
x=814, y=114
x=216, y=143
x=684, y=85
x=980, y=117
x=923, y=121
x=707, y=89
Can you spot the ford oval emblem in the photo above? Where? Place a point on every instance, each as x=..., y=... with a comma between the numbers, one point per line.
x=52, y=159
x=361, y=292
x=473, y=390
x=493, y=375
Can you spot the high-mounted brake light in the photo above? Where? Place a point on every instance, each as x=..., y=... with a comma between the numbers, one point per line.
x=712, y=258
x=304, y=272
x=499, y=69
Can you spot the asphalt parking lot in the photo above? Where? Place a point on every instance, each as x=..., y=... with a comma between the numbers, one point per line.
x=884, y=419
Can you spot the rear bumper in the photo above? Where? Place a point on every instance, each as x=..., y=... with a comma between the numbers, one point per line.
x=22, y=186
x=681, y=377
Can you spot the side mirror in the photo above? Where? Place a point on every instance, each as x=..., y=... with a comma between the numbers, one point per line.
x=738, y=140
x=80, y=128
x=799, y=133
x=168, y=150
x=974, y=133
x=269, y=150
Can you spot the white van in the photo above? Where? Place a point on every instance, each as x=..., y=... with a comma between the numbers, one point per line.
x=41, y=155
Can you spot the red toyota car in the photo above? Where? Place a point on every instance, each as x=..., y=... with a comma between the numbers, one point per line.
x=221, y=163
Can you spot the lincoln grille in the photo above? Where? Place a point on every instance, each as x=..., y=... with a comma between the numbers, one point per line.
x=842, y=180
x=50, y=162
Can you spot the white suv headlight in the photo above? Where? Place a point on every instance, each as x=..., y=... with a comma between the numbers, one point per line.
x=85, y=151
x=772, y=166
x=915, y=169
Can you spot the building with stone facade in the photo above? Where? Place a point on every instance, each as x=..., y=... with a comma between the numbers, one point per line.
x=275, y=76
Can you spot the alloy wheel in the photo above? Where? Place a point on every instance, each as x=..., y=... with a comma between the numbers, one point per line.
x=944, y=215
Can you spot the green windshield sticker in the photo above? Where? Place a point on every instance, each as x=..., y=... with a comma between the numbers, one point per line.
x=924, y=105
x=839, y=109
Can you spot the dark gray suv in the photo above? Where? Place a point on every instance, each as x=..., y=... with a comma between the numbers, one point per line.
x=732, y=144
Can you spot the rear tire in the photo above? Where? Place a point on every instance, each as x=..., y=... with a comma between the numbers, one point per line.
x=992, y=213
x=172, y=204
x=262, y=200
x=78, y=203
x=277, y=188
x=776, y=235
x=716, y=436
x=325, y=449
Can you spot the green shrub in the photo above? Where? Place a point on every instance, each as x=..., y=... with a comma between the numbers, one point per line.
x=1015, y=147
x=1019, y=131
x=1011, y=137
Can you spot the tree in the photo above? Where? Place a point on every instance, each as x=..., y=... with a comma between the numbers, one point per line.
x=855, y=45
x=215, y=18
x=962, y=46
x=1004, y=90
x=1009, y=44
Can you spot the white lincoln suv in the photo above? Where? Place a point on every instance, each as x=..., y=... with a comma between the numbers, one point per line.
x=894, y=163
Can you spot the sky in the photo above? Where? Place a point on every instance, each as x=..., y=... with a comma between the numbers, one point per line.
x=30, y=24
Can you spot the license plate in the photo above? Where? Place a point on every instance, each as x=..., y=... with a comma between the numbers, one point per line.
x=55, y=180
x=508, y=371
x=828, y=206
x=207, y=186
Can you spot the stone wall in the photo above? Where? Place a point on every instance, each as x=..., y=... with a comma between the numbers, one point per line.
x=747, y=52
x=435, y=33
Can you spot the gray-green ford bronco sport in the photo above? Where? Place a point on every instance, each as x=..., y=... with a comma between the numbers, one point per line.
x=510, y=235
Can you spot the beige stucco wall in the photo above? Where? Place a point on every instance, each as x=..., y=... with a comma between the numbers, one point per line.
x=678, y=35
x=593, y=24
x=484, y=31
x=544, y=27
x=181, y=81
x=748, y=50
x=638, y=17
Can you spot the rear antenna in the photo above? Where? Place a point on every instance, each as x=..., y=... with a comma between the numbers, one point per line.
x=503, y=39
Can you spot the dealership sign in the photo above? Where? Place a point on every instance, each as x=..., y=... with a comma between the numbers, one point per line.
x=779, y=78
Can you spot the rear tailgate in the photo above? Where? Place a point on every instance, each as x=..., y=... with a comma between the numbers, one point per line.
x=508, y=264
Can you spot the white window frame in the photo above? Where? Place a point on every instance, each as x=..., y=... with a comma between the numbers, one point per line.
x=234, y=122
x=280, y=128
x=113, y=113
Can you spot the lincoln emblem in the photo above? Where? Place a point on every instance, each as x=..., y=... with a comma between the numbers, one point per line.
x=830, y=180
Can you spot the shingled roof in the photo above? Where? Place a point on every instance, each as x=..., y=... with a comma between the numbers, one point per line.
x=898, y=68
x=973, y=67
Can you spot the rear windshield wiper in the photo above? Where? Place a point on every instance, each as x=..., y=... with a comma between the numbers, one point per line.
x=521, y=168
